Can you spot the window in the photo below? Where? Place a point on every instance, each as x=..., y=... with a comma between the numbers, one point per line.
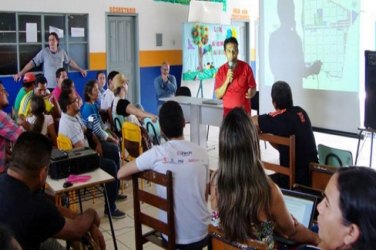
x=23, y=35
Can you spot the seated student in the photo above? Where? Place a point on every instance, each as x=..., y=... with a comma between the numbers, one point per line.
x=289, y=120
x=165, y=84
x=39, y=121
x=25, y=209
x=108, y=97
x=90, y=109
x=9, y=131
x=249, y=204
x=61, y=75
x=189, y=165
x=27, y=85
x=120, y=91
x=40, y=89
x=68, y=85
x=347, y=214
x=125, y=108
x=7, y=240
x=101, y=79
x=73, y=127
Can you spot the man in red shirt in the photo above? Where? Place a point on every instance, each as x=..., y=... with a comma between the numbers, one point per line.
x=234, y=82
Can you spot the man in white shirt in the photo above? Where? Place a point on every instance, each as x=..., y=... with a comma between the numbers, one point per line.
x=73, y=127
x=108, y=97
x=189, y=164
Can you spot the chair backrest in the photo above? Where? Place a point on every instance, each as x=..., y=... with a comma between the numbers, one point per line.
x=218, y=242
x=118, y=121
x=334, y=156
x=282, y=141
x=165, y=204
x=255, y=102
x=183, y=91
x=320, y=175
x=63, y=142
x=153, y=129
x=131, y=139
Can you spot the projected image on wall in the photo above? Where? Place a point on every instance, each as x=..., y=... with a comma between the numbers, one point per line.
x=313, y=44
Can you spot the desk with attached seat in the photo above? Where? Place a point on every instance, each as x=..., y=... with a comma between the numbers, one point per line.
x=98, y=177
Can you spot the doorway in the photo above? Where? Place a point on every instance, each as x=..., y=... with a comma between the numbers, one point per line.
x=122, y=50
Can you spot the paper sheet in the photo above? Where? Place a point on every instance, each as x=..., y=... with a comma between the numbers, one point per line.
x=77, y=32
x=59, y=32
x=31, y=33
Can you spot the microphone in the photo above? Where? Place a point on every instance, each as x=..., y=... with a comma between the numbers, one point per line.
x=230, y=64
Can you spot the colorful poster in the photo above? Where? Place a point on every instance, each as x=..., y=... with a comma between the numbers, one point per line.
x=203, y=51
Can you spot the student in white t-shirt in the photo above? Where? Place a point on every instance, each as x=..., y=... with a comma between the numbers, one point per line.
x=189, y=164
x=108, y=97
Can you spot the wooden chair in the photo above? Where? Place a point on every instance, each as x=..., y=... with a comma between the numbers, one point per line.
x=320, y=175
x=167, y=204
x=218, y=242
x=282, y=141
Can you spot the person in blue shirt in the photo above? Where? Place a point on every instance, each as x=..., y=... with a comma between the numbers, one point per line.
x=165, y=84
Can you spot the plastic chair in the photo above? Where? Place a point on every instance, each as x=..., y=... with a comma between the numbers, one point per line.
x=165, y=204
x=131, y=140
x=64, y=143
x=153, y=129
x=118, y=121
x=334, y=156
x=218, y=241
x=282, y=141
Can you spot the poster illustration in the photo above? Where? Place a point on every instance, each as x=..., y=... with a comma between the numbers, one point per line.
x=203, y=51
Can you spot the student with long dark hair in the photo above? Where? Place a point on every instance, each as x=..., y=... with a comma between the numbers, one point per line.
x=347, y=214
x=250, y=205
x=39, y=121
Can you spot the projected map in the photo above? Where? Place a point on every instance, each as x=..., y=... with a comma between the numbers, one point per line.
x=330, y=34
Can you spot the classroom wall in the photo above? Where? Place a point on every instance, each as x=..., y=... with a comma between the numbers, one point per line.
x=153, y=17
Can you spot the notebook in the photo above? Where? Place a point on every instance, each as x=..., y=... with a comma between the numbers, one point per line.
x=302, y=206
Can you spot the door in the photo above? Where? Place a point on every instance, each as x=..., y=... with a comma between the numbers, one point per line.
x=122, y=51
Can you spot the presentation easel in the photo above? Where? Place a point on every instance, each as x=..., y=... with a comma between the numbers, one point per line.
x=200, y=89
x=362, y=130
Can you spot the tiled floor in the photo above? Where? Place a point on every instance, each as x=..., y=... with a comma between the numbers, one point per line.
x=124, y=227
